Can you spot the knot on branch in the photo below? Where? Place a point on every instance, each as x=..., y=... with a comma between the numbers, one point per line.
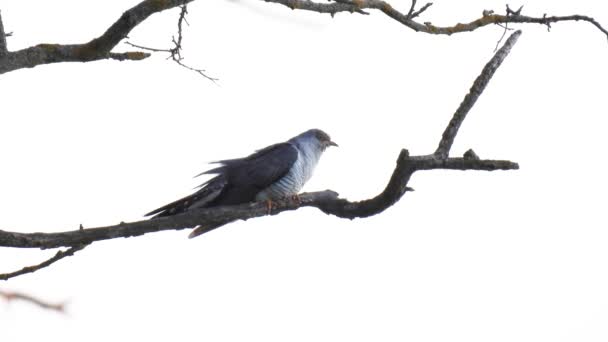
x=470, y=155
x=403, y=156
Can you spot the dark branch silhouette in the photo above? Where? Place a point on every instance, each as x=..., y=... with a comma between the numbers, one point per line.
x=102, y=46
x=327, y=201
x=58, y=256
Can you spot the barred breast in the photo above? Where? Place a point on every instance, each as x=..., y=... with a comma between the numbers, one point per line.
x=296, y=177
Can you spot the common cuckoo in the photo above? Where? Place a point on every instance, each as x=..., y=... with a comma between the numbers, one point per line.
x=274, y=172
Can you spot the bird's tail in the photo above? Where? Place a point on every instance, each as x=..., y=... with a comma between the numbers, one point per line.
x=200, y=199
x=173, y=208
x=202, y=229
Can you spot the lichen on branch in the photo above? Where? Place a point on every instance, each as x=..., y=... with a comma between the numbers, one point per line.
x=101, y=47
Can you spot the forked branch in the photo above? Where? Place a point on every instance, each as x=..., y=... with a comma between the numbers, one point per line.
x=98, y=48
x=327, y=201
x=58, y=256
x=102, y=46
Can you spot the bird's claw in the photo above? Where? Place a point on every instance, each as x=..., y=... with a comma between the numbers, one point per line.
x=296, y=198
x=269, y=205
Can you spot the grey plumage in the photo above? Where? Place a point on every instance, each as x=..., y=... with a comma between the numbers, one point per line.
x=277, y=171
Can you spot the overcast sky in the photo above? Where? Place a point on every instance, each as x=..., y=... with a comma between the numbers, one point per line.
x=469, y=256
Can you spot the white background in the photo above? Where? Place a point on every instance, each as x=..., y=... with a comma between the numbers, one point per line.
x=469, y=256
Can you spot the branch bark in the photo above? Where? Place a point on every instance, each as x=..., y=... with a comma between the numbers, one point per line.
x=3, y=49
x=469, y=100
x=58, y=256
x=487, y=18
x=327, y=201
x=96, y=49
x=101, y=47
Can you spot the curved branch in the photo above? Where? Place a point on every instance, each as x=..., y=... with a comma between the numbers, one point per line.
x=100, y=48
x=96, y=49
x=487, y=18
x=327, y=201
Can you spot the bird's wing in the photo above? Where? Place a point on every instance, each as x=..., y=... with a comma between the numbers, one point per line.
x=199, y=199
x=246, y=177
x=238, y=180
x=262, y=168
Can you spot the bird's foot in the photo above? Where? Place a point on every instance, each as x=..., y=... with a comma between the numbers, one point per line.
x=269, y=206
x=296, y=198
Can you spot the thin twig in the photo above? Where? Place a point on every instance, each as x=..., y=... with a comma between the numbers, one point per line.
x=412, y=7
x=147, y=48
x=10, y=296
x=199, y=71
x=58, y=256
x=175, y=52
x=506, y=28
x=419, y=12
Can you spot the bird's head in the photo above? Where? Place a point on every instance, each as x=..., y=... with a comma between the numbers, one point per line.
x=316, y=136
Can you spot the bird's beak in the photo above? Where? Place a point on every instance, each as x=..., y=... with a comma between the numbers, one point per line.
x=331, y=143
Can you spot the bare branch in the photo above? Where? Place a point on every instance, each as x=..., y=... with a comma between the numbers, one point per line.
x=148, y=48
x=412, y=8
x=10, y=296
x=469, y=100
x=3, y=48
x=100, y=48
x=96, y=49
x=327, y=201
x=413, y=14
x=175, y=53
x=30, y=269
x=487, y=19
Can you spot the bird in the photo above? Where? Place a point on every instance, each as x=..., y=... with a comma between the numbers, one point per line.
x=276, y=171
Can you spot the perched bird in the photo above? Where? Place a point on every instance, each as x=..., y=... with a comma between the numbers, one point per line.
x=274, y=172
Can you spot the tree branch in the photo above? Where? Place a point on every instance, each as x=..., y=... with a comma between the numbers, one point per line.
x=100, y=48
x=10, y=296
x=487, y=18
x=58, y=256
x=175, y=53
x=3, y=49
x=96, y=49
x=469, y=100
x=413, y=13
x=30, y=269
x=327, y=201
